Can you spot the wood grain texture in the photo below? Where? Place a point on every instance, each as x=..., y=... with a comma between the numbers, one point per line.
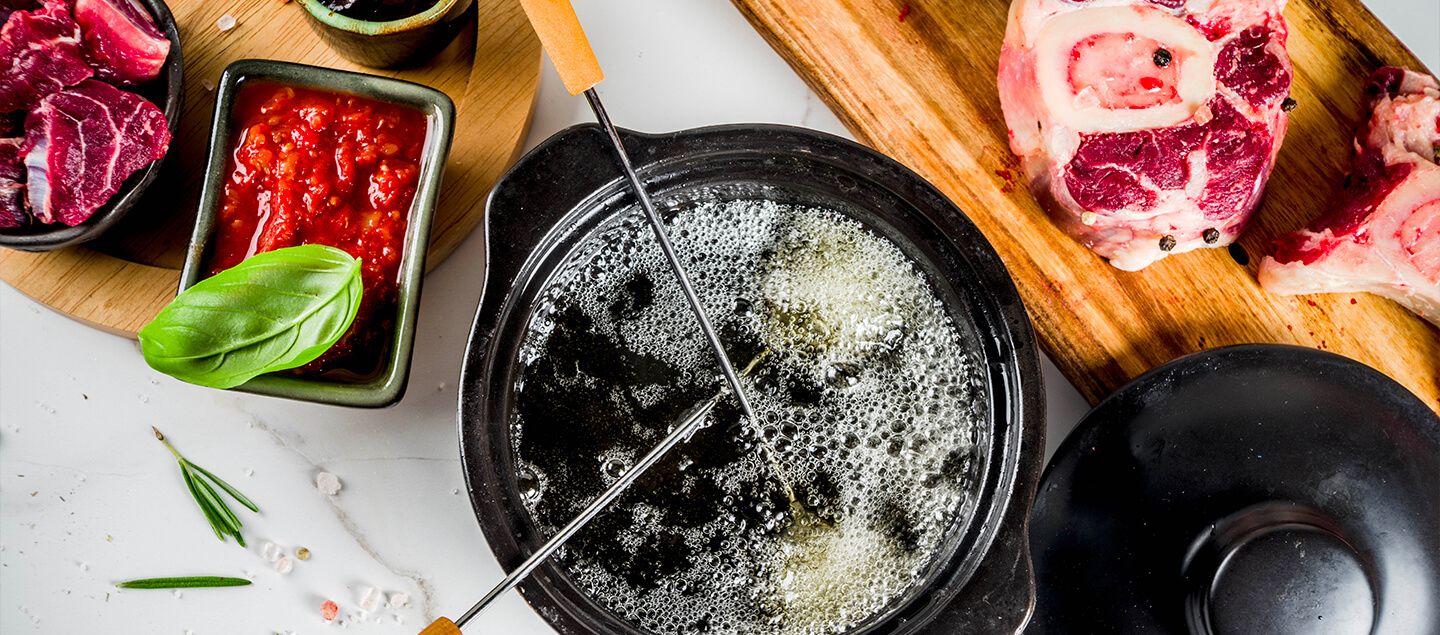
x=118, y=283
x=916, y=80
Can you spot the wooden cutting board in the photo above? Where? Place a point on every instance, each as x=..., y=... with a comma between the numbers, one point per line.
x=915, y=79
x=118, y=283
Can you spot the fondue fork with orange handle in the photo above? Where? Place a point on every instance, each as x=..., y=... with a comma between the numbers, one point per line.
x=559, y=30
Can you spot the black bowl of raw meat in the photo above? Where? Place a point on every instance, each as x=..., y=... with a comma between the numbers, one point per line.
x=165, y=92
x=564, y=262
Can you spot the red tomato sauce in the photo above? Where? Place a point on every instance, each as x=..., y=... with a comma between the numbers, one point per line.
x=316, y=167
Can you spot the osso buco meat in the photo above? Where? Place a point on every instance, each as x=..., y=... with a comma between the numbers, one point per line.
x=1146, y=127
x=1382, y=234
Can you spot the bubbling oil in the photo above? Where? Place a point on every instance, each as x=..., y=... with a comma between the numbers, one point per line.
x=870, y=398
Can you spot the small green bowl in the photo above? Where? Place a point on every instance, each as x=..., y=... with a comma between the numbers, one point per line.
x=402, y=43
x=388, y=385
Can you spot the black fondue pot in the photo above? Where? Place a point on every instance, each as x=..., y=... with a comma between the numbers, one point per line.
x=553, y=200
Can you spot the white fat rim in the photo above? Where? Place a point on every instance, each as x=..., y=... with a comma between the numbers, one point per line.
x=1059, y=37
x=37, y=180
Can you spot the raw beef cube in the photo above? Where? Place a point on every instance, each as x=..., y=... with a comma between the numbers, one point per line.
x=1146, y=127
x=39, y=54
x=1382, y=235
x=12, y=185
x=80, y=145
x=122, y=42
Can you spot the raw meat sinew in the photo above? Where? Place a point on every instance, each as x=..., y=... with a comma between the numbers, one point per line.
x=1146, y=127
x=1383, y=233
x=39, y=54
x=80, y=145
x=122, y=42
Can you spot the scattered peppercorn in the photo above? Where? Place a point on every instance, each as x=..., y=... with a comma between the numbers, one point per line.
x=1289, y=104
x=1167, y=242
x=1211, y=236
x=1162, y=57
x=1239, y=254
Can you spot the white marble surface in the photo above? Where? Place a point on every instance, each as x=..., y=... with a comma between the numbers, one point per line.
x=88, y=497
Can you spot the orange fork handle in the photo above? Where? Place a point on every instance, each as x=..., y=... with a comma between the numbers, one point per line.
x=442, y=626
x=559, y=30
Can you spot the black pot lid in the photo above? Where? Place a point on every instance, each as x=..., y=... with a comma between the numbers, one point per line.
x=1248, y=489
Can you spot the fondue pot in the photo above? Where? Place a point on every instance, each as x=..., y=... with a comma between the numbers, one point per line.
x=552, y=202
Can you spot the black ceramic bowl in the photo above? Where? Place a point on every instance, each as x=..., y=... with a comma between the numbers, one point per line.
x=164, y=92
x=404, y=43
x=555, y=198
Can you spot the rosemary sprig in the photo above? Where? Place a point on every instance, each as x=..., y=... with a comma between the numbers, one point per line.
x=190, y=582
x=221, y=519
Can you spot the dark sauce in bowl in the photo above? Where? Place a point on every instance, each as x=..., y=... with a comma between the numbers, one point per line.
x=379, y=10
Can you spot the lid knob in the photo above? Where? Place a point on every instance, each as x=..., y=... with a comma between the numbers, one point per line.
x=1278, y=568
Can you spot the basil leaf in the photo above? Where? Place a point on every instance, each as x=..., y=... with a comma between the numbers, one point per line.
x=276, y=310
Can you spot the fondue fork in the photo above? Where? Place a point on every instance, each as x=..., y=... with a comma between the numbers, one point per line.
x=663, y=238
x=689, y=424
x=559, y=30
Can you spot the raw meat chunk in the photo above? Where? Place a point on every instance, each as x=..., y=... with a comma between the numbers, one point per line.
x=39, y=54
x=12, y=185
x=122, y=42
x=81, y=144
x=1383, y=233
x=1146, y=127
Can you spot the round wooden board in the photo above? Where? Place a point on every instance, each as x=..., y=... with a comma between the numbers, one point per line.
x=118, y=283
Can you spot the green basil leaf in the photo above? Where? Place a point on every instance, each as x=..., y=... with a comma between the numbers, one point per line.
x=276, y=310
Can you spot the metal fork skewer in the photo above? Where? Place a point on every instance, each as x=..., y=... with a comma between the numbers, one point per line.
x=689, y=424
x=664, y=239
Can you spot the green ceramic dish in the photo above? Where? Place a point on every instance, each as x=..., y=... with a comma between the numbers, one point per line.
x=399, y=43
x=389, y=385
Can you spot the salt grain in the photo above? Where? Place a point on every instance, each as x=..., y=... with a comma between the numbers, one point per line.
x=249, y=472
x=178, y=593
x=284, y=565
x=328, y=483
x=371, y=600
x=399, y=601
x=302, y=553
x=271, y=552
x=225, y=23
x=329, y=610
